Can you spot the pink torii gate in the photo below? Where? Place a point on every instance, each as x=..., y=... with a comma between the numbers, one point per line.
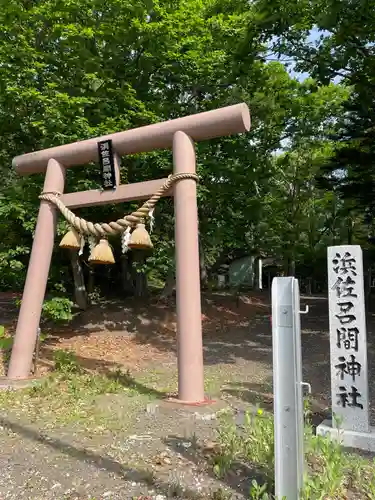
x=180, y=135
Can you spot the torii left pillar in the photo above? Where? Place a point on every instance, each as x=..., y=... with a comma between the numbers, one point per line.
x=37, y=276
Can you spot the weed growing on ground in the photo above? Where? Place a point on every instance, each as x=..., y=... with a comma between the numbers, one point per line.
x=254, y=443
x=175, y=488
x=221, y=494
x=332, y=472
x=66, y=362
x=258, y=491
x=58, y=309
x=6, y=343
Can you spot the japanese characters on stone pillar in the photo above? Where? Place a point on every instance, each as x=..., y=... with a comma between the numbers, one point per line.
x=348, y=344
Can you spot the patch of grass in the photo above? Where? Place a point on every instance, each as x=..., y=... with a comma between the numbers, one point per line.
x=332, y=472
x=162, y=380
x=71, y=395
x=165, y=380
x=221, y=494
x=212, y=385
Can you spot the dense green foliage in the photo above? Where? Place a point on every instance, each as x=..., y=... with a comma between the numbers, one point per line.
x=342, y=50
x=74, y=69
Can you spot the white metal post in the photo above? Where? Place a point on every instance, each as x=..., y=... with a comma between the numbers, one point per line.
x=287, y=388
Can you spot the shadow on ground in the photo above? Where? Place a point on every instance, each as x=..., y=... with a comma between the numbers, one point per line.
x=155, y=323
x=102, y=463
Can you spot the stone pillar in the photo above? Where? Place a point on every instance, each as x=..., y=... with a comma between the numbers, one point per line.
x=348, y=350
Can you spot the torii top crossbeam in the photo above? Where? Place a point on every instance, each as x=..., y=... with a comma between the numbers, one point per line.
x=202, y=126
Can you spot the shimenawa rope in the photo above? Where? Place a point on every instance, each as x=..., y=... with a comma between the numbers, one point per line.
x=102, y=229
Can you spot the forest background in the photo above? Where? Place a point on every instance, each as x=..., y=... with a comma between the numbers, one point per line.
x=301, y=180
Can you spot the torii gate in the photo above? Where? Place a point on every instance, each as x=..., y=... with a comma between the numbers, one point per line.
x=180, y=135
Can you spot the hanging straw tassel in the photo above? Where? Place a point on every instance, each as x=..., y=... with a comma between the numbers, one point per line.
x=140, y=238
x=71, y=240
x=102, y=253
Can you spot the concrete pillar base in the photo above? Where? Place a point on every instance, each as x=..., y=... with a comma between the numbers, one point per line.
x=352, y=439
x=206, y=412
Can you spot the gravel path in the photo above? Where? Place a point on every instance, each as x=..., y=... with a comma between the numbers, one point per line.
x=163, y=455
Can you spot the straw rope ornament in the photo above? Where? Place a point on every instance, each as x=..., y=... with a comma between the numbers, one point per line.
x=102, y=252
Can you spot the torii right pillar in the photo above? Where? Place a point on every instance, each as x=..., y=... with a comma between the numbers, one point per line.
x=188, y=293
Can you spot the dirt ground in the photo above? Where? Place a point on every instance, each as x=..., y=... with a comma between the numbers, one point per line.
x=123, y=445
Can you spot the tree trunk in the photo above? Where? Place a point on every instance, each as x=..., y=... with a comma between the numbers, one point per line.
x=139, y=277
x=91, y=280
x=170, y=284
x=126, y=276
x=202, y=265
x=291, y=270
x=80, y=293
x=350, y=226
x=141, y=289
